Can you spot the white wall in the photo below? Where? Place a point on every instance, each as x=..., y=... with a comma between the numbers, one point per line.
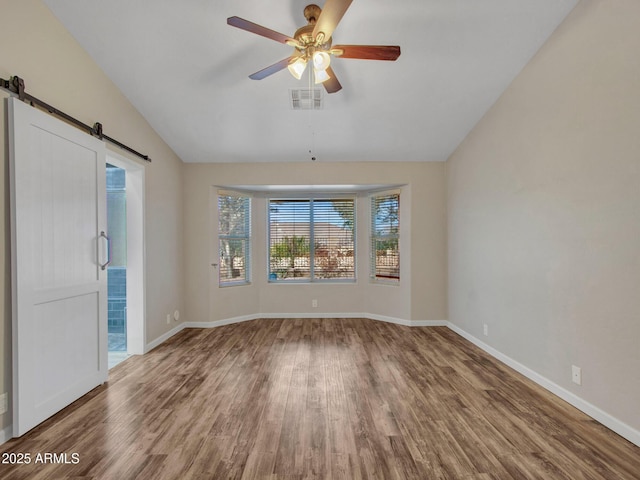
x=55, y=68
x=544, y=213
x=421, y=295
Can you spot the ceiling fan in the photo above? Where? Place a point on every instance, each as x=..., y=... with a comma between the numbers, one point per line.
x=312, y=44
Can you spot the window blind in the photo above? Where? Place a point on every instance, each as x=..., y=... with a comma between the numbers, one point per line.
x=385, y=236
x=311, y=239
x=234, y=237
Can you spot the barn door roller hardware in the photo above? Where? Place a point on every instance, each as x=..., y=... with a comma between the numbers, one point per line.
x=16, y=85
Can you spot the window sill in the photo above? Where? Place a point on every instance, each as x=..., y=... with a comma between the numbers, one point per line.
x=351, y=281
x=385, y=281
x=233, y=284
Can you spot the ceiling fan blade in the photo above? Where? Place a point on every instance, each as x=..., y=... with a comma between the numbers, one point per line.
x=332, y=85
x=367, y=52
x=271, y=69
x=331, y=14
x=260, y=30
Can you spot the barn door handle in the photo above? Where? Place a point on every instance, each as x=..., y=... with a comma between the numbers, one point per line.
x=105, y=250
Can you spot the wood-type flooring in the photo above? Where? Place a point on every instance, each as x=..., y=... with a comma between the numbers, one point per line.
x=319, y=398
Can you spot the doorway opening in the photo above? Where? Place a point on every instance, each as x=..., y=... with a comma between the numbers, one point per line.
x=117, y=269
x=125, y=273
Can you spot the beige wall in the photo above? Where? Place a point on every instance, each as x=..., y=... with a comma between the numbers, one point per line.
x=55, y=69
x=544, y=212
x=421, y=295
x=541, y=208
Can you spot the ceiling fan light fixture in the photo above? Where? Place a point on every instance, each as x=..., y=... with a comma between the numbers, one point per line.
x=321, y=60
x=321, y=75
x=312, y=43
x=297, y=67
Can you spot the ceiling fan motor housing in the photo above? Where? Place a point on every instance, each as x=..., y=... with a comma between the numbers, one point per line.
x=304, y=35
x=311, y=13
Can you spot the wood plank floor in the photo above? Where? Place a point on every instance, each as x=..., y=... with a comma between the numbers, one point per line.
x=321, y=398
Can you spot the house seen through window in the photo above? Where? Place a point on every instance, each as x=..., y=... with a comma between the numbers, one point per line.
x=311, y=239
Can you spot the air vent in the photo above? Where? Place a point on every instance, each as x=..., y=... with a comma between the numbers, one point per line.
x=305, y=98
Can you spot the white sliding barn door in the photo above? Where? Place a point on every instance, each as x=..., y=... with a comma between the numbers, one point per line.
x=58, y=211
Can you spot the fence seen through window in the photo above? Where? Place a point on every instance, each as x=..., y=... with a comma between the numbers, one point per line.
x=311, y=239
x=385, y=237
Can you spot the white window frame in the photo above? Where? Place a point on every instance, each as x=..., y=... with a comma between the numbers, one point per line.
x=374, y=237
x=244, y=236
x=311, y=199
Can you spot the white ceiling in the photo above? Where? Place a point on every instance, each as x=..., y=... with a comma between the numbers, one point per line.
x=186, y=71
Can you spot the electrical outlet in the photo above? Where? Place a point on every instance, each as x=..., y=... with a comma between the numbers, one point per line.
x=485, y=330
x=3, y=403
x=176, y=315
x=168, y=318
x=576, y=375
x=314, y=303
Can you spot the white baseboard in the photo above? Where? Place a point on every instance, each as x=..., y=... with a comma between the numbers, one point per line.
x=406, y=323
x=313, y=315
x=219, y=323
x=163, y=338
x=429, y=323
x=594, y=412
x=382, y=318
x=6, y=434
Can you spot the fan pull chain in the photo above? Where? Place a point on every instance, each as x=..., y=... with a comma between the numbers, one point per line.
x=310, y=113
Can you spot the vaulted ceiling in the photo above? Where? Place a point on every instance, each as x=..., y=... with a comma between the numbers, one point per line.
x=186, y=71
